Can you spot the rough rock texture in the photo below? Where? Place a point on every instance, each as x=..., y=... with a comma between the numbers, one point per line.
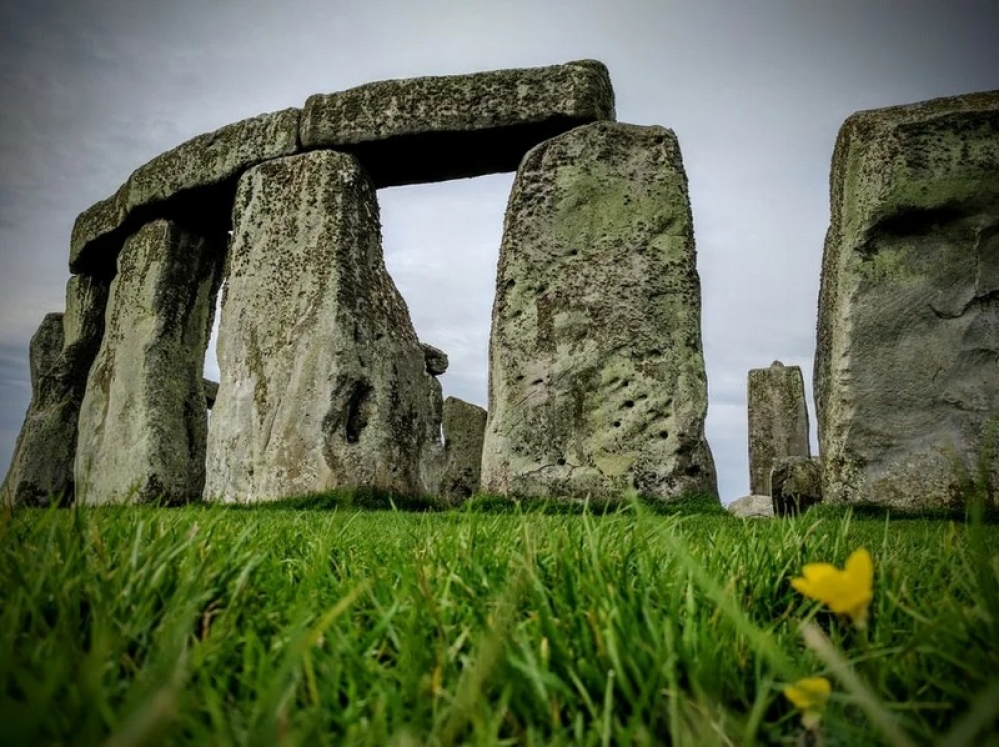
x=796, y=484
x=43, y=352
x=447, y=127
x=436, y=360
x=143, y=418
x=211, y=392
x=464, y=427
x=45, y=348
x=597, y=381
x=752, y=507
x=60, y=358
x=208, y=164
x=323, y=381
x=778, y=420
x=906, y=357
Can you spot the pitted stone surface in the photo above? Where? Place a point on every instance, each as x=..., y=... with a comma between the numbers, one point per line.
x=796, y=484
x=61, y=354
x=464, y=428
x=143, y=418
x=208, y=160
x=447, y=127
x=597, y=380
x=323, y=382
x=778, y=420
x=906, y=359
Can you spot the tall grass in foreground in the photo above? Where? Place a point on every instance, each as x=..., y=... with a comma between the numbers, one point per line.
x=213, y=625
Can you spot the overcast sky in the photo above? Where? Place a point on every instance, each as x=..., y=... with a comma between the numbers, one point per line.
x=755, y=91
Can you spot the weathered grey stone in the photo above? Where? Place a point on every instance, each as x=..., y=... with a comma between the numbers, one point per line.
x=597, y=381
x=447, y=127
x=436, y=360
x=464, y=428
x=61, y=354
x=211, y=160
x=796, y=484
x=906, y=357
x=45, y=348
x=143, y=418
x=43, y=353
x=211, y=392
x=752, y=507
x=323, y=381
x=778, y=420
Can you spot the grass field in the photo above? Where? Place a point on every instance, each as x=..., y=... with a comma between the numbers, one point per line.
x=296, y=625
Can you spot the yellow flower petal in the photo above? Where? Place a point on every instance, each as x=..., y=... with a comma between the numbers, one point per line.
x=845, y=592
x=809, y=693
x=818, y=571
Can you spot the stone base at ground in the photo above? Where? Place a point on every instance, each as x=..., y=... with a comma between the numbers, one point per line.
x=597, y=381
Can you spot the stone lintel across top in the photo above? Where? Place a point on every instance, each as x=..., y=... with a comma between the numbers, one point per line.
x=193, y=185
x=403, y=132
x=455, y=126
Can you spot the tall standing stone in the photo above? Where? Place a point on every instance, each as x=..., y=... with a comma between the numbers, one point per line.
x=323, y=381
x=778, y=420
x=61, y=354
x=906, y=356
x=597, y=380
x=143, y=418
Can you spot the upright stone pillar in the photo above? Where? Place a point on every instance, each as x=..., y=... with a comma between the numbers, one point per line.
x=906, y=353
x=61, y=354
x=323, y=383
x=597, y=380
x=464, y=426
x=143, y=418
x=778, y=420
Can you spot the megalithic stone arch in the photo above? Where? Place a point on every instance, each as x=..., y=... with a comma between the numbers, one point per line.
x=597, y=380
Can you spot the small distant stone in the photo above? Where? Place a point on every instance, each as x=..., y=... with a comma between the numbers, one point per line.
x=752, y=507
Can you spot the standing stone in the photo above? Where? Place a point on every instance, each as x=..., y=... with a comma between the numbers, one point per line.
x=796, y=484
x=61, y=354
x=906, y=356
x=323, y=382
x=597, y=380
x=143, y=419
x=464, y=428
x=778, y=420
x=31, y=485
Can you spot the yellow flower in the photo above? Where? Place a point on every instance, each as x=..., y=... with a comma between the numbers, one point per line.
x=846, y=592
x=809, y=695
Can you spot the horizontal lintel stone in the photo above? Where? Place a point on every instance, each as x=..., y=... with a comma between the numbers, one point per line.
x=455, y=126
